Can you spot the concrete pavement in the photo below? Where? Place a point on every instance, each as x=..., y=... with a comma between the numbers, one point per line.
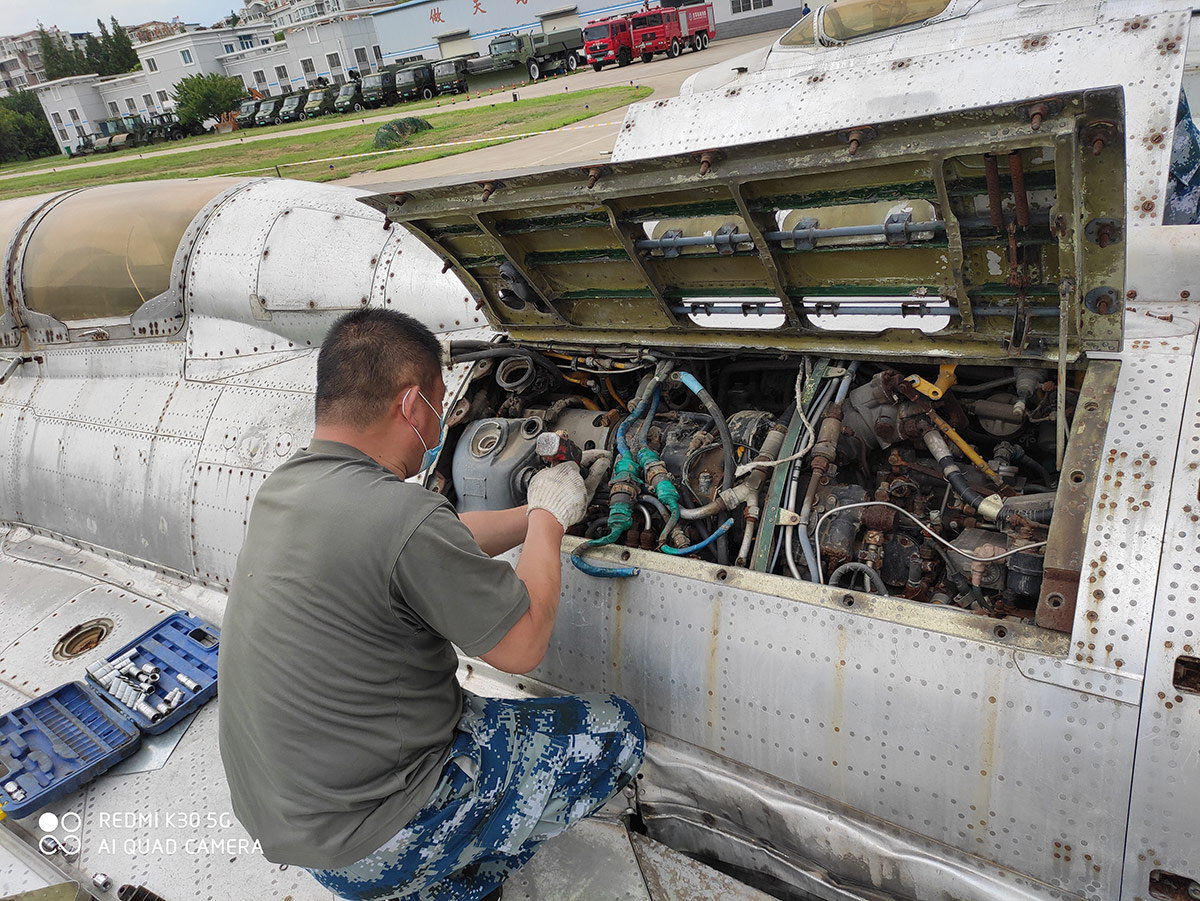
x=571, y=145
x=557, y=148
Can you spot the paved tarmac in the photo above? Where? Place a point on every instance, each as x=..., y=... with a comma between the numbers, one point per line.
x=588, y=140
x=583, y=142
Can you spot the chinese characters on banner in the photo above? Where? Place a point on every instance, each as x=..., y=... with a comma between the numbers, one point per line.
x=478, y=8
x=435, y=15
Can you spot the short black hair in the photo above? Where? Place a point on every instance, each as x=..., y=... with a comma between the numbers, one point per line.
x=367, y=358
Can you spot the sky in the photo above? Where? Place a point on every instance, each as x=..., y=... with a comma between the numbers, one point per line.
x=81, y=15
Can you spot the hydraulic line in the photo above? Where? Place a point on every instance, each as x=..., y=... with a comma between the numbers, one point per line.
x=689, y=381
x=962, y=445
x=862, y=569
x=715, y=536
x=988, y=506
x=622, y=491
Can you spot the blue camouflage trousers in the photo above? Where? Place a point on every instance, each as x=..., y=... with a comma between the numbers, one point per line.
x=519, y=772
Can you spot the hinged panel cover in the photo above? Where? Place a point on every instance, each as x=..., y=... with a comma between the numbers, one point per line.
x=968, y=234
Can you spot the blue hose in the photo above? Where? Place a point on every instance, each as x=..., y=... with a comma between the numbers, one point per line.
x=699, y=546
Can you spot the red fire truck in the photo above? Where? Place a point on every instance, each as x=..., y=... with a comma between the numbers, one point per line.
x=609, y=41
x=669, y=29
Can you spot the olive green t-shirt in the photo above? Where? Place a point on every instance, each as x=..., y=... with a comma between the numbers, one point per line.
x=338, y=696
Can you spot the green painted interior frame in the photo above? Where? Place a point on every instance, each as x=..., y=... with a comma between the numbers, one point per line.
x=570, y=256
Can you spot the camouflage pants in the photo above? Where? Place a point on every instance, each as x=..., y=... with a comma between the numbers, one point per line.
x=519, y=773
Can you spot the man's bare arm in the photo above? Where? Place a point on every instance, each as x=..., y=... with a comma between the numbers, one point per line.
x=540, y=568
x=497, y=531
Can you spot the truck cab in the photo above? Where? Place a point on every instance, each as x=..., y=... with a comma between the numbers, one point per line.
x=669, y=30
x=292, y=108
x=349, y=98
x=609, y=41
x=379, y=89
x=246, y=113
x=450, y=75
x=415, y=82
x=268, y=112
x=319, y=102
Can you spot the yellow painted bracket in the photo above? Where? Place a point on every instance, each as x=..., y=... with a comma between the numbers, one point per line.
x=935, y=390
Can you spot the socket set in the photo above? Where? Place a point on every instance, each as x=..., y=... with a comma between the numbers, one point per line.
x=61, y=740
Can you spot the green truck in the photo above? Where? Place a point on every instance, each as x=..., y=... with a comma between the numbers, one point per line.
x=450, y=75
x=536, y=52
x=415, y=82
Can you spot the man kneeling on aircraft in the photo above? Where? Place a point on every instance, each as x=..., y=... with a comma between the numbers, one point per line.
x=349, y=746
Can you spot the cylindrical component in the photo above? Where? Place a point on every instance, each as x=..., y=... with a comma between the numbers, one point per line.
x=992, y=173
x=150, y=669
x=102, y=881
x=49, y=845
x=189, y=684
x=11, y=787
x=1016, y=168
x=1025, y=573
x=150, y=713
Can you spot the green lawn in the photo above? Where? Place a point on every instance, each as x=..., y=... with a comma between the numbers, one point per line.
x=491, y=123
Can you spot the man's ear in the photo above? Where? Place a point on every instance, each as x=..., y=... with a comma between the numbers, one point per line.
x=402, y=404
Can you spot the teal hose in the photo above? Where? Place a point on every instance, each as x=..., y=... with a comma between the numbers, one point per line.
x=620, y=520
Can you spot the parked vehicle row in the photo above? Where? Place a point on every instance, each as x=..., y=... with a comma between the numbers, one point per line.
x=132, y=130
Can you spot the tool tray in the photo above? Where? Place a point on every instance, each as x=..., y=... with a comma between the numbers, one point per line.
x=62, y=740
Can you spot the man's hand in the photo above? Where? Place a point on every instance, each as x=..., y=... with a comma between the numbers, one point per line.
x=560, y=491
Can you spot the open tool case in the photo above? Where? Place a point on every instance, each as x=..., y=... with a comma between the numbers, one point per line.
x=64, y=739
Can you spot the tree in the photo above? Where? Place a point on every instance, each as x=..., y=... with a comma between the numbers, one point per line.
x=200, y=97
x=124, y=57
x=58, y=61
x=106, y=50
x=94, y=52
x=24, y=131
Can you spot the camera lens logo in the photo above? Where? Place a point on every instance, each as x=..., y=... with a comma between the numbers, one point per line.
x=60, y=834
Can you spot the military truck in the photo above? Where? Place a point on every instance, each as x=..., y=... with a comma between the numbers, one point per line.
x=247, y=112
x=292, y=108
x=416, y=81
x=120, y=132
x=349, y=98
x=167, y=127
x=537, y=52
x=379, y=88
x=268, y=111
x=450, y=75
x=320, y=102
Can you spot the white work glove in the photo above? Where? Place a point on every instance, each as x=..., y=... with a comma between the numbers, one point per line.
x=560, y=491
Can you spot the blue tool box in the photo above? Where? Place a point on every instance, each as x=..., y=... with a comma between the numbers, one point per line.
x=64, y=739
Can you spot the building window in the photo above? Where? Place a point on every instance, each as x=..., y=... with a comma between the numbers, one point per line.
x=361, y=60
x=148, y=101
x=62, y=135
x=79, y=132
x=313, y=38
x=281, y=74
x=246, y=41
x=743, y=6
x=307, y=67
x=151, y=65
x=333, y=61
x=229, y=48
x=378, y=53
x=186, y=56
x=130, y=104
x=260, y=78
x=54, y=91
x=162, y=97
x=57, y=119
x=74, y=114
x=113, y=109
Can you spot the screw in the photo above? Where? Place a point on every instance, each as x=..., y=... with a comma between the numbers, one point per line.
x=855, y=141
x=102, y=882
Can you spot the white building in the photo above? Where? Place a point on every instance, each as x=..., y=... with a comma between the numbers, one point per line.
x=440, y=28
x=21, y=65
x=325, y=48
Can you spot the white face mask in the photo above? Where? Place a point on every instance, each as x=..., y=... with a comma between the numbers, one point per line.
x=430, y=452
